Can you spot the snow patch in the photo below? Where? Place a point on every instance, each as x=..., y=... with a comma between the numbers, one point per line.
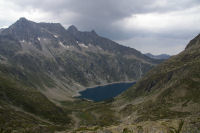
x=56, y=36
x=22, y=41
x=69, y=47
x=99, y=48
x=62, y=44
x=83, y=45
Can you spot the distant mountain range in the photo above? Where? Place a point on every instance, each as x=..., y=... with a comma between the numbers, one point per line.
x=161, y=56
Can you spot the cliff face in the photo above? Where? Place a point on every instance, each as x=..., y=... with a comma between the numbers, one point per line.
x=60, y=62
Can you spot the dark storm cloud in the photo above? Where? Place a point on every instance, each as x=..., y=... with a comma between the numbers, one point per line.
x=119, y=7
x=101, y=14
x=108, y=17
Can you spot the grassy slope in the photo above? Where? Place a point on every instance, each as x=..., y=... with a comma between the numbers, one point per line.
x=91, y=113
x=25, y=109
x=20, y=104
x=169, y=91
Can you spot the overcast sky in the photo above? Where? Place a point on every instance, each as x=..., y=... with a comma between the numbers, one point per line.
x=155, y=26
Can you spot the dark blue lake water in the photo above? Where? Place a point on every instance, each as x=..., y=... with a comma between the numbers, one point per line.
x=106, y=92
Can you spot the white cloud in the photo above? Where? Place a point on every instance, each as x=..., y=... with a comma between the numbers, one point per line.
x=167, y=32
x=156, y=45
x=163, y=22
x=11, y=13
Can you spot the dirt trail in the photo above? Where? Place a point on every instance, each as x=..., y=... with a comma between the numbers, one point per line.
x=76, y=120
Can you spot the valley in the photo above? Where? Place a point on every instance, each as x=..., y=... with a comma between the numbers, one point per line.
x=43, y=67
x=60, y=62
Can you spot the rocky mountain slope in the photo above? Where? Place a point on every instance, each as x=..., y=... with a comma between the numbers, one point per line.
x=60, y=62
x=1, y=30
x=167, y=99
x=42, y=65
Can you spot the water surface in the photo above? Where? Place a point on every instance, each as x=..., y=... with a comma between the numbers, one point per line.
x=105, y=92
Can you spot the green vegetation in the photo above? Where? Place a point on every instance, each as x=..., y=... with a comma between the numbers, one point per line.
x=91, y=113
x=156, y=111
x=31, y=101
x=169, y=91
x=20, y=122
x=24, y=109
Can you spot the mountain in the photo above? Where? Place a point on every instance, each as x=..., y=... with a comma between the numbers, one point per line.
x=43, y=65
x=161, y=56
x=1, y=29
x=60, y=62
x=168, y=97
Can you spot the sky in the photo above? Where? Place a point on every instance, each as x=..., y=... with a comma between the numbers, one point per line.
x=155, y=26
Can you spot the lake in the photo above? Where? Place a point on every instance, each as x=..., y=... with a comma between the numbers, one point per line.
x=105, y=92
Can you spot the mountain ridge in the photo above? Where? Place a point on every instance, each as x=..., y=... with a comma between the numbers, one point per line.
x=160, y=56
x=43, y=65
x=68, y=59
x=40, y=71
x=168, y=92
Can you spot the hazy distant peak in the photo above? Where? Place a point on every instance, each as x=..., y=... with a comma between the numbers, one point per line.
x=161, y=56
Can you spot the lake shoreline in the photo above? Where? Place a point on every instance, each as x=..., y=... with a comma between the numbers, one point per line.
x=101, y=85
x=108, y=84
x=106, y=91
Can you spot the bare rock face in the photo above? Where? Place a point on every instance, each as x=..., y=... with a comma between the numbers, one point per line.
x=60, y=62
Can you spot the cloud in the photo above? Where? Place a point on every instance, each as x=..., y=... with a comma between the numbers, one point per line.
x=163, y=22
x=119, y=20
x=156, y=45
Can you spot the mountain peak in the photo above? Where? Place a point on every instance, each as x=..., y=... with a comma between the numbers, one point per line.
x=72, y=29
x=23, y=29
x=194, y=42
x=23, y=20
